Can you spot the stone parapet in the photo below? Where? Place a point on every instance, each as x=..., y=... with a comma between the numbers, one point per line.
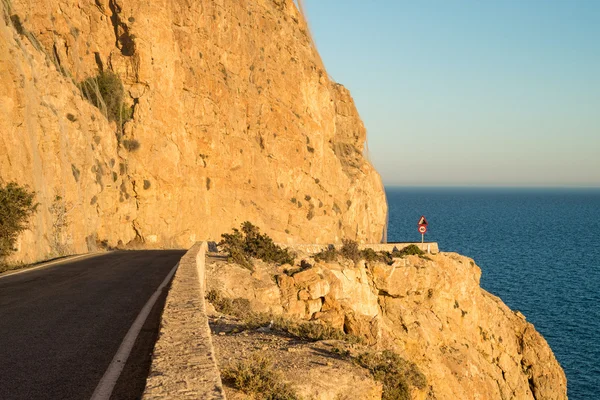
x=183, y=362
x=428, y=247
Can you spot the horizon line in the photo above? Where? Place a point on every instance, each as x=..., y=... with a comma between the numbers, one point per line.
x=477, y=186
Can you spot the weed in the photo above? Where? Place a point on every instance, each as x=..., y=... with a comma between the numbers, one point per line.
x=105, y=91
x=257, y=376
x=11, y=267
x=340, y=351
x=397, y=374
x=306, y=330
x=131, y=145
x=312, y=330
x=239, y=307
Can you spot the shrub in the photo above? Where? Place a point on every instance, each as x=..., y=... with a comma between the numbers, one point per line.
x=17, y=204
x=249, y=243
x=131, y=145
x=329, y=255
x=397, y=374
x=256, y=376
x=371, y=255
x=350, y=250
x=409, y=250
x=105, y=91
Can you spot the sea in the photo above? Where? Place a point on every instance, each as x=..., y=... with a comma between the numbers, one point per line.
x=538, y=249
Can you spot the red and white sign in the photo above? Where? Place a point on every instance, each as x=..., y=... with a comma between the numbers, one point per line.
x=422, y=229
x=422, y=221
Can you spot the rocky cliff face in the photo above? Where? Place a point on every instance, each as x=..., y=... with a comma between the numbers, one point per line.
x=235, y=118
x=467, y=342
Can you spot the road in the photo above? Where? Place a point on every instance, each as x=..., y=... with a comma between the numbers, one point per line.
x=61, y=326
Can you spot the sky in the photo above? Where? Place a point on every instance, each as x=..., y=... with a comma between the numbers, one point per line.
x=470, y=93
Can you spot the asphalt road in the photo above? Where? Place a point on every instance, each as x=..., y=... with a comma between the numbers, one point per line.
x=61, y=326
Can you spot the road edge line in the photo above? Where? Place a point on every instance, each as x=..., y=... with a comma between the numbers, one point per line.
x=52, y=263
x=113, y=372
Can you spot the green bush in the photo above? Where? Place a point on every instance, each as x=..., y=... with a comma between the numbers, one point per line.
x=410, y=250
x=371, y=255
x=105, y=91
x=397, y=374
x=329, y=255
x=350, y=250
x=17, y=204
x=257, y=376
x=249, y=243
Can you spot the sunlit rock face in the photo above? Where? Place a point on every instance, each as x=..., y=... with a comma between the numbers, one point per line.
x=234, y=119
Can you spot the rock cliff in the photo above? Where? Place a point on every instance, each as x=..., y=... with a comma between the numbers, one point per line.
x=429, y=310
x=233, y=119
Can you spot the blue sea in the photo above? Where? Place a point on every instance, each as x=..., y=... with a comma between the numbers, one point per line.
x=538, y=249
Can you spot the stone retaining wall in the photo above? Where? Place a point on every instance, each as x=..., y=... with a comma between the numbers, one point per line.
x=183, y=362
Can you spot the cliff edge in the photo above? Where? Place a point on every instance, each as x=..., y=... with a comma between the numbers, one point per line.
x=428, y=309
x=227, y=115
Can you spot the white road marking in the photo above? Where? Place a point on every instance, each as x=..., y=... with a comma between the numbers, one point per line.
x=51, y=263
x=109, y=380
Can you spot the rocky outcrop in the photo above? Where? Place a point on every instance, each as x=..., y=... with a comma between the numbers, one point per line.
x=431, y=310
x=234, y=119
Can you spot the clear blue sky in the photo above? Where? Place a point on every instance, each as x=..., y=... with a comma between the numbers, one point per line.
x=488, y=92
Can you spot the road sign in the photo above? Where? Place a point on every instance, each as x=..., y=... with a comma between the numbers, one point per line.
x=422, y=228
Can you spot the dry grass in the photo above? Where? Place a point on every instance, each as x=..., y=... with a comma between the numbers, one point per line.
x=306, y=330
x=257, y=376
x=397, y=374
x=312, y=330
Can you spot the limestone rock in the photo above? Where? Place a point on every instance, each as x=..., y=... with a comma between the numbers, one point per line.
x=434, y=313
x=235, y=118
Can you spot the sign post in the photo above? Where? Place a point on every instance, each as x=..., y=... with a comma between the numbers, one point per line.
x=422, y=229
